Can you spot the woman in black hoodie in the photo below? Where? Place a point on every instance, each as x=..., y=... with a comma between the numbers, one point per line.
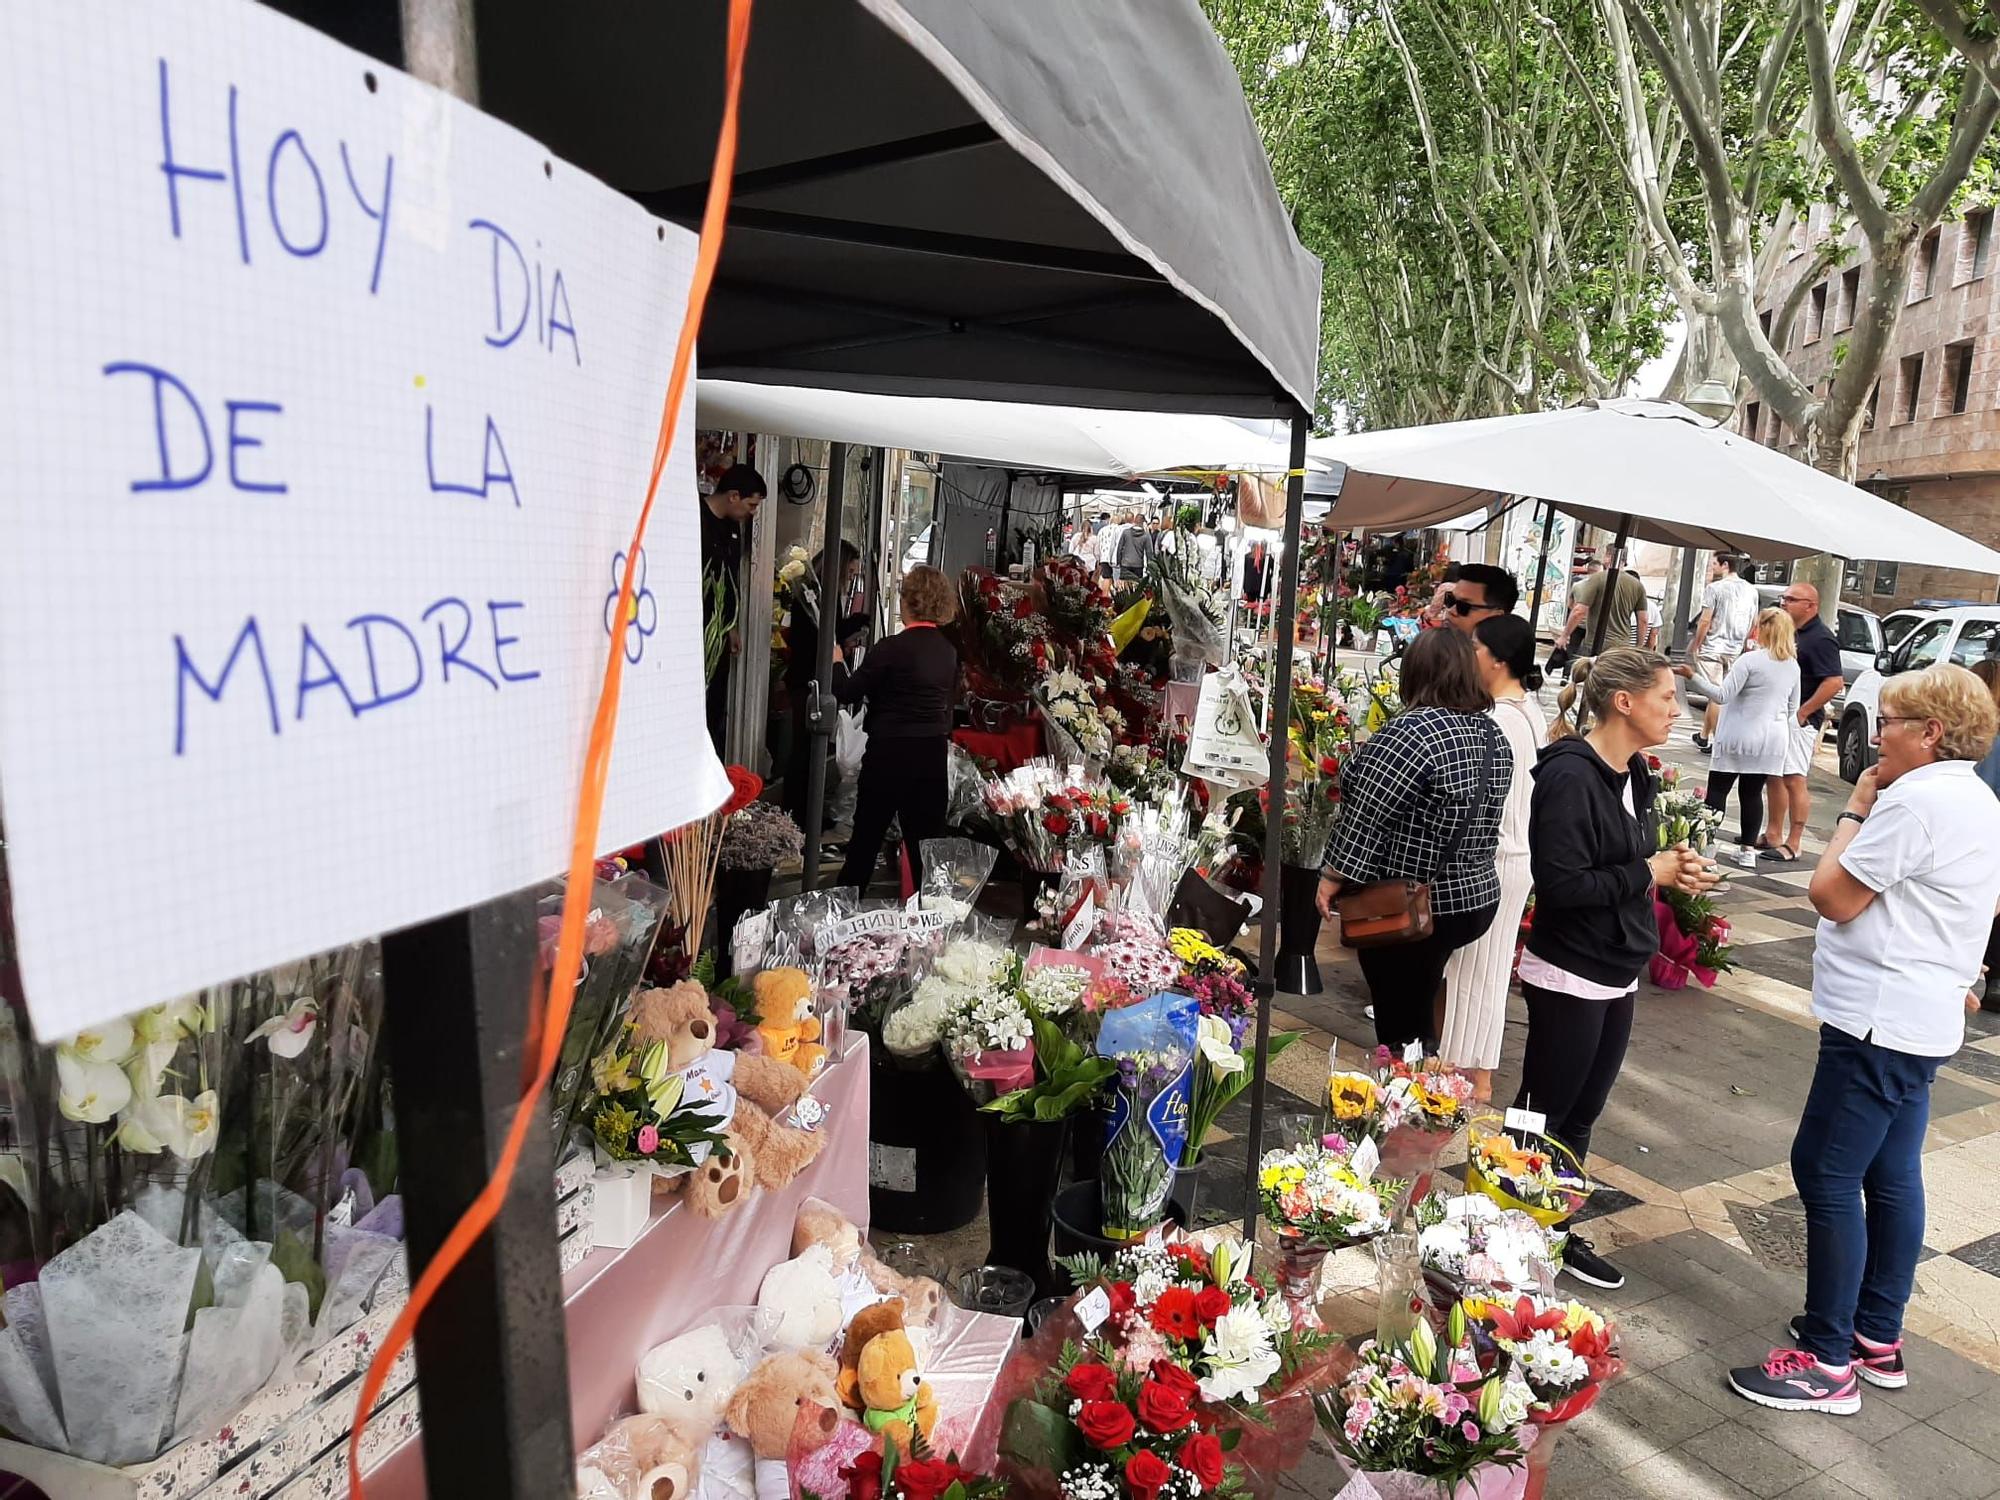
x=1591, y=846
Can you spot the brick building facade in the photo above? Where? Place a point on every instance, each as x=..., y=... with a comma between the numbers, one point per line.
x=1932, y=439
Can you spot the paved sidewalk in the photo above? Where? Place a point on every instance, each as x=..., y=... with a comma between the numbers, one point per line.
x=1699, y=1208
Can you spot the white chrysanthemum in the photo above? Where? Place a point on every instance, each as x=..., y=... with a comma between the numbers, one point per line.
x=1547, y=1361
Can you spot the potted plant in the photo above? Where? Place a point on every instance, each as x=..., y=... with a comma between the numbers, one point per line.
x=755, y=841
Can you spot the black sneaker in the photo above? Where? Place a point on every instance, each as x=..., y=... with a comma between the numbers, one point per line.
x=1792, y=1380
x=1586, y=1265
x=1704, y=746
x=1878, y=1364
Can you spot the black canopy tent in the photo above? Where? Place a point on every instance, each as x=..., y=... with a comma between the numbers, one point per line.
x=1036, y=201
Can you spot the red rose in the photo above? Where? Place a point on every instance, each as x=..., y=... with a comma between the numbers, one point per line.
x=1201, y=1456
x=1106, y=1424
x=1122, y=1299
x=925, y=1479
x=1163, y=1409
x=1023, y=609
x=1146, y=1472
x=1056, y=824
x=1652, y=762
x=1174, y=1378
x=1210, y=1303
x=1092, y=1382
x=1100, y=826
x=864, y=1477
x=1174, y=1315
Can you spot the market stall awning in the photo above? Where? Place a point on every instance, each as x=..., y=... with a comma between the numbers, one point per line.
x=1037, y=200
x=1681, y=479
x=1062, y=439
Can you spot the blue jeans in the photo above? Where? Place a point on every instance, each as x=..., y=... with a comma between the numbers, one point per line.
x=1861, y=1136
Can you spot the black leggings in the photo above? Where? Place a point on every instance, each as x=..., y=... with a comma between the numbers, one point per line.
x=1750, y=794
x=902, y=779
x=1404, y=978
x=1575, y=1049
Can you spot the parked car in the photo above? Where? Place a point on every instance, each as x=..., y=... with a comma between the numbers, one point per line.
x=1899, y=624
x=919, y=551
x=1964, y=635
x=1859, y=632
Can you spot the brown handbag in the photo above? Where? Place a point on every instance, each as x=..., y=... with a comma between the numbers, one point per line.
x=1384, y=913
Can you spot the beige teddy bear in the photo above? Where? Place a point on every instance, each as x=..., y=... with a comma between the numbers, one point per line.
x=820, y=1223
x=638, y=1458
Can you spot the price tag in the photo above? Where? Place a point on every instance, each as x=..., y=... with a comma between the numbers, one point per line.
x=1414, y=1054
x=1078, y=931
x=752, y=936
x=1366, y=1158
x=914, y=904
x=1093, y=1308
x=1527, y=1119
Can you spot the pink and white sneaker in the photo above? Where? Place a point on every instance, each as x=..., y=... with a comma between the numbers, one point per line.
x=1878, y=1364
x=1793, y=1380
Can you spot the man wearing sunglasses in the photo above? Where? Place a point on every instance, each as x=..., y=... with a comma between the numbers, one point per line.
x=1819, y=680
x=1480, y=592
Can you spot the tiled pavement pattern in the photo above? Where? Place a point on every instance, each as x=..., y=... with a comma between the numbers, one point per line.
x=1698, y=1206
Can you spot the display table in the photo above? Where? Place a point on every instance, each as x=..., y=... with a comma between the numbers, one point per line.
x=622, y=1302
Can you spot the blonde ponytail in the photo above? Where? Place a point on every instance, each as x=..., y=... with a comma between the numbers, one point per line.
x=1594, y=683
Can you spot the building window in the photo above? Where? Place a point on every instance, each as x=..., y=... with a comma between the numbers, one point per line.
x=1764, y=322
x=1853, y=577
x=1958, y=374
x=1923, y=275
x=1753, y=418
x=1816, y=313
x=1850, y=298
x=1868, y=416
x=1906, y=395
x=1885, y=579
x=1975, y=244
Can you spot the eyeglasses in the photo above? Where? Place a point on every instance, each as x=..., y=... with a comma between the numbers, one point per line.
x=1797, y=599
x=1885, y=720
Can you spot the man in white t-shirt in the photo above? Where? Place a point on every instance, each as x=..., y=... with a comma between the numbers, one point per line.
x=1907, y=889
x=1728, y=616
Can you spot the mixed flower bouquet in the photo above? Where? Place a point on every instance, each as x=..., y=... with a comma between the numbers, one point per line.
x=1312, y=1193
x=1138, y=770
x=1009, y=637
x=1410, y=1107
x=1076, y=600
x=1042, y=813
x=625, y=921
x=1134, y=951
x=1422, y=1416
x=646, y=1111
x=887, y=1475
x=1153, y=1043
x=1520, y=1169
x=1321, y=743
x=1694, y=935
x=968, y=971
x=1469, y=1242
x=1072, y=707
x=1565, y=1352
x=1684, y=818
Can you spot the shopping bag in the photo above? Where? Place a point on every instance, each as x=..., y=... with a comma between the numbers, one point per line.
x=1223, y=743
x=850, y=743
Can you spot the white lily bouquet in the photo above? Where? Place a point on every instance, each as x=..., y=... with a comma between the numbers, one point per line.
x=190, y=1203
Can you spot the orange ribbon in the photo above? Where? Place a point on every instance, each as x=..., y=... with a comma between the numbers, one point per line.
x=546, y=1031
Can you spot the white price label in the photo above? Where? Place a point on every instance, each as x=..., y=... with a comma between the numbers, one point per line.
x=1527, y=1119
x=1366, y=1158
x=892, y=1168
x=1077, y=933
x=1414, y=1054
x=1093, y=1308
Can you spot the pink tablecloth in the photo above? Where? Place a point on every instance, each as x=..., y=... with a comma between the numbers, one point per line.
x=622, y=1302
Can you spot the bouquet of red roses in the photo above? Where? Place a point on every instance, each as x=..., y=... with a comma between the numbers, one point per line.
x=888, y=1476
x=1125, y=1433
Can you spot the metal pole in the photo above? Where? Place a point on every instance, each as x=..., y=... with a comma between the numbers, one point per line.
x=1684, y=599
x=1612, y=571
x=1279, y=693
x=459, y=1017
x=822, y=713
x=1542, y=565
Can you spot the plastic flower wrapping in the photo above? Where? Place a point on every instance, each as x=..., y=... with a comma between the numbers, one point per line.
x=1072, y=704
x=1312, y=1192
x=624, y=921
x=1424, y=1414
x=966, y=972
x=192, y=1204
x=1043, y=811
x=1174, y=1372
x=1473, y=1243
x=1154, y=1046
x=1684, y=818
x=1565, y=1352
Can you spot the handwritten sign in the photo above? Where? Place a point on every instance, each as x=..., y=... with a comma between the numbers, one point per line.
x=328, y=404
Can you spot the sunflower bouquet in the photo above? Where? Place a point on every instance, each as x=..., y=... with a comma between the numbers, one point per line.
x=1523, y=1169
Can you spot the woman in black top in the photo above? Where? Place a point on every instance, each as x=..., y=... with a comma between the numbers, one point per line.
x=1592, y=849
x=1421, y=800
x=910, y=682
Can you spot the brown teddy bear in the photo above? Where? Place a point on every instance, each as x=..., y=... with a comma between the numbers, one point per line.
x=719, y=1184
x=789, y=1029
x=820, y=1223
x=762, y=1087
x=878, y=1375
x=638, y=1458
x=766, y=1407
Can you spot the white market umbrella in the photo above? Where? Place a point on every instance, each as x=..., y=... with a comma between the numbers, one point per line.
x=1676, y=476
x=1066, y=439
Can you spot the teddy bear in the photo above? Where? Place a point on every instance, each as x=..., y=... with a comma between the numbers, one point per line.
x=689, y=1379
x=789, y=1029
x=746, y=1089
x=788, y=1398
x=803, y=1296
x=820, y=1223
x=720, y=1184
x=878, y=1375
x=638, y=1458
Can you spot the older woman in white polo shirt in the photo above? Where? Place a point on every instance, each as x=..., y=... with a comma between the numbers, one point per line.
x=1907, y=889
